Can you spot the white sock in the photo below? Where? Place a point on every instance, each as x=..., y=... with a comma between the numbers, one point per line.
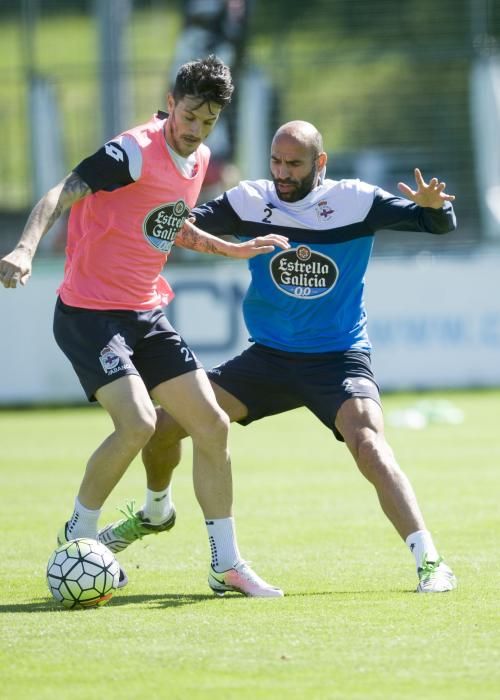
x=83, y=522
x=158, y=505
x=420, y=544
x=223, y=545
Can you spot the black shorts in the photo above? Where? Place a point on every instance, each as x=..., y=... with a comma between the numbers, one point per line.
x=105, y=345
x=270, y=381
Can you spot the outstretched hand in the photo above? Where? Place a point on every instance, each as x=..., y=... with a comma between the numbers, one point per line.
x=430, y=194
x=260, y=245
x=15, y=268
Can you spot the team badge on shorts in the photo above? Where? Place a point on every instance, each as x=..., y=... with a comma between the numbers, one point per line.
x=303, y=273
x=108, y=359
x=357, y=385
x=161, y=225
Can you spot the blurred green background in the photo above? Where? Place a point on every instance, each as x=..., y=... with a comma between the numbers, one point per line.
x=388, y=83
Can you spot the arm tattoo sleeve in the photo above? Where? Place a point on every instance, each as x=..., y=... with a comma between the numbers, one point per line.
x=50, y=207
x=195, y=239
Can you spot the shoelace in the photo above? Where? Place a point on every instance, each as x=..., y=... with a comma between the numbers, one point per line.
x=428, y=568
x=131, y=525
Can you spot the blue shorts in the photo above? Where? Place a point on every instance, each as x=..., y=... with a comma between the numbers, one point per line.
x=105, y=345
x=269, y=381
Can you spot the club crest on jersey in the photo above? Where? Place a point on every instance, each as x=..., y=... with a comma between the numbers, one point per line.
x=303, y=273
x=162, y=225
x=324, y=211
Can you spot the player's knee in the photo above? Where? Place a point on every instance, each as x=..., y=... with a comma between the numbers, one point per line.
x=164, y=447
x=213, y=432
x=367, y=448
x=142, y=433
x=147, y=426
x=138, y=427
x=374, y=457
x=167, y=432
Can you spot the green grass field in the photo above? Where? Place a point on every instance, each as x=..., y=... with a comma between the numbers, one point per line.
x=350, y=626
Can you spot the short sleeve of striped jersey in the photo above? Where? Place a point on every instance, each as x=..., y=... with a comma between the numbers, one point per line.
x=116, y=164
x=217, y=217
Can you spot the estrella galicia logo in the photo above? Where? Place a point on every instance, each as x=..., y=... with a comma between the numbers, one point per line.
x=303, y=273
x=162, y=225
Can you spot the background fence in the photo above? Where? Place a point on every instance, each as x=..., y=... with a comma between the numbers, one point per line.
x=388, y=83
x=391, y=86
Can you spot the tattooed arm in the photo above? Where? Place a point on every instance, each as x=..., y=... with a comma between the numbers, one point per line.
x=16, y=266
x=194, y=238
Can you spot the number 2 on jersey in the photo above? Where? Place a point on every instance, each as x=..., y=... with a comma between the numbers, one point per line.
x=188, y=356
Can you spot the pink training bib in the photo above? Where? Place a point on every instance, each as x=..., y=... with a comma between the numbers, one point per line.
x=119, y=241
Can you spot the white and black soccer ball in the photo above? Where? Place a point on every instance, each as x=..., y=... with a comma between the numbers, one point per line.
x=82, y=573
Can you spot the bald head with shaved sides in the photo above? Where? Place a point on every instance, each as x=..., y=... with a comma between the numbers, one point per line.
x=297, y=160
x=304, y=133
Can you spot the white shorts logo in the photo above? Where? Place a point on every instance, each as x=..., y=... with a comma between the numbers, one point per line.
x=355, y=383
x=108, y=359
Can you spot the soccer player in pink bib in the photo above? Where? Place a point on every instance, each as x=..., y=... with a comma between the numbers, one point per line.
x=130, y=202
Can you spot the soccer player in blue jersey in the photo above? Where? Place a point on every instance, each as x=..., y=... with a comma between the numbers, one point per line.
x=305, y=313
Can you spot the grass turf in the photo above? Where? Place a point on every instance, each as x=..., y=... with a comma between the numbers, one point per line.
x=350, y=626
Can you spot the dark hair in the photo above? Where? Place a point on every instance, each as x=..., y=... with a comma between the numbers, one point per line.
x=207, y=78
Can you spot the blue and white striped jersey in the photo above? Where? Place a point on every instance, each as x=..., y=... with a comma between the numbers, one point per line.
x=309, y=299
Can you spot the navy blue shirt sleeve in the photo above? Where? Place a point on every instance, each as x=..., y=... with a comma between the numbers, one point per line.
x=391, y=212
x=217, y=217
x=107, y=169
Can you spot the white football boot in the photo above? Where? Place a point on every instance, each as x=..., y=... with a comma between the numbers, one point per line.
x=435, y=577
x=241, y=579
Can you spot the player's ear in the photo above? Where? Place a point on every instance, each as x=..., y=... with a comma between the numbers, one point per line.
x=321, y=168
x=170, y=103
x=322, y=159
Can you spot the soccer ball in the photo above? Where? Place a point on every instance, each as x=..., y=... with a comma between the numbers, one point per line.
x=82, y=573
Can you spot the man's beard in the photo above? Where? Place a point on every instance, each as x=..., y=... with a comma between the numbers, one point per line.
x=181, y=147
x=302, y=187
